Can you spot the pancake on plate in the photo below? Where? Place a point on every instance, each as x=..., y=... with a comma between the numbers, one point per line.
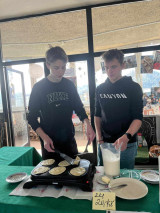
x=57, y=170
x=41, y=170
x=64, y=163
x=78, y=171
x=48, y=162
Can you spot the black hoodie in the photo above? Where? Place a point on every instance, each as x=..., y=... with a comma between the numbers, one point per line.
x=118, y=104
x=54, y=104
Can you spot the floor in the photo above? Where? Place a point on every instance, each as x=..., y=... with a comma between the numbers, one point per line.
x=80, y=138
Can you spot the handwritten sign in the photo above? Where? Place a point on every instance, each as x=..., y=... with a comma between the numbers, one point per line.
x=104, y=201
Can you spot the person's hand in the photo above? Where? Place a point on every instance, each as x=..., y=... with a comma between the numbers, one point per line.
x=48, y=144
x=90, y=133
x=121, y=143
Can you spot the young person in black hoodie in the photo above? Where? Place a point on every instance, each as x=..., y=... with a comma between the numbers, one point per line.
x=118, y=109
x=53, y=100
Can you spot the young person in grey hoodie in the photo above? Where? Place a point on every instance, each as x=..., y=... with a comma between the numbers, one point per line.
x=118, y=109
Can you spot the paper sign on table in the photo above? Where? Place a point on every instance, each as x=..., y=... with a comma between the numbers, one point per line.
x=104, y=201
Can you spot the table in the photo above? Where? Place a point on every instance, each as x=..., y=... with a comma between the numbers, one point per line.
x=16, y=204
x=19, y=156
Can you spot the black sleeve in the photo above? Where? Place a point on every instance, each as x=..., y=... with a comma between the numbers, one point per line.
x=97, y=105
x=78, y=105
x=34, y=109
x=137, y=102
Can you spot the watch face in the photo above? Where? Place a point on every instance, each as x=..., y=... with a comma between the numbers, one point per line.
x=129, y=136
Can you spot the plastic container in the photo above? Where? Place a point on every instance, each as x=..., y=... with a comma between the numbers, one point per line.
x=140, y=140
x=111, y=159
x=144, y=141
x=130, y=174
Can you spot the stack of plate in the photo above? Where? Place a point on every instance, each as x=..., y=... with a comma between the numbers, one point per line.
x=150, y=176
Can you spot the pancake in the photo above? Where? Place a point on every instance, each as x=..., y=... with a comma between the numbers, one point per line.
x=64, y=163
x=78, y=171
x=76, y=161
x=57, y=170
x=41, y=170
x=48, y=162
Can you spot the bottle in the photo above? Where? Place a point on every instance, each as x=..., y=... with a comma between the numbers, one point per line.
x=144, y=141
x=140, y=139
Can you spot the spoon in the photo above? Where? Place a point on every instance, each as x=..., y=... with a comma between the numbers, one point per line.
x=113, y=187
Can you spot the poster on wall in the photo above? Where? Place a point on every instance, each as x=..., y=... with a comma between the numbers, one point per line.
x=147, y=64
x=156, y=64
x=103, y=67
x=130, y=62
x=156, y=91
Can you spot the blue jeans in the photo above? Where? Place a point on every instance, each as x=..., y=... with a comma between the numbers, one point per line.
x=127, y=156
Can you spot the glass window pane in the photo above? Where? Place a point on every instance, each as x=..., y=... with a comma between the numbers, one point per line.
x=30, y=38
x=32, y=73
x=126, y=25
x=1, y=106
x=100, y=73
x=3, y=139
x=78, y=73
x=17, y=101
x=144, y=68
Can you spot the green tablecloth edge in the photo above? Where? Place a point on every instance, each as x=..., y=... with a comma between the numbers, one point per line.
x=19, y=156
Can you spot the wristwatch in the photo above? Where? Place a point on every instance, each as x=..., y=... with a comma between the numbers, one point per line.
x=129, y=136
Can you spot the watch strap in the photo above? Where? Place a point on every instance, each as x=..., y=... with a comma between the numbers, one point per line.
x=129, y=136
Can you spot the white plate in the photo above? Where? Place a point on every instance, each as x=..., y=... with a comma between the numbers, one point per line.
x=16, y=177
x=150, y=176
x=135, y=189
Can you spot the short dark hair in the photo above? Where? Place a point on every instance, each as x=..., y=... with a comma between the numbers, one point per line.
x=56, y=53
x=113, y=54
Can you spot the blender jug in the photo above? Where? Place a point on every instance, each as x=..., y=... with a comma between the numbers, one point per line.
x=111, y=159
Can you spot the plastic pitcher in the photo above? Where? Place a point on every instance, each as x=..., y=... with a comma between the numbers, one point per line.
x=111, y=159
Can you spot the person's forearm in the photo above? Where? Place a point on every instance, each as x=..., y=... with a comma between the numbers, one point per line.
x=41, y=133
x=123, y=140
x=86, y=121
x=89, y=130
x=48, y=143
x=134, y=127
x=97, y=121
